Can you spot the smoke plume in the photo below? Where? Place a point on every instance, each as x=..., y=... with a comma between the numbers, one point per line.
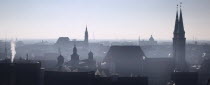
x=13, y=51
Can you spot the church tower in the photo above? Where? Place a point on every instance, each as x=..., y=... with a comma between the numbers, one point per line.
x=91, y=62
x=86, y=35
x=60, y=60
x=75, y=57
x=90, y=55
x=179, y=44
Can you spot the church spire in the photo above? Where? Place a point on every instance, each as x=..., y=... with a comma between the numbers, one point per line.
x=179, y=44
x=181, y=26
x=86, y=35
x=86, y=29
x=176, y=22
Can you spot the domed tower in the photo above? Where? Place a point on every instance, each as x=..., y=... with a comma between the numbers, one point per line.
x=90, y=55
x=60, y=60
x=91, y=61
x=151, y=38
x=75, y=57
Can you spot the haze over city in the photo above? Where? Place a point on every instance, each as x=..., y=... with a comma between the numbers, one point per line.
x=105, y=19
x=104, y=42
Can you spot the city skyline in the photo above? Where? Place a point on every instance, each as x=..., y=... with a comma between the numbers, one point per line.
x=105, y=19
x=104, y=42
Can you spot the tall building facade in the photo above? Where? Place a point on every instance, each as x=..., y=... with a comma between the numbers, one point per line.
x=179, y=44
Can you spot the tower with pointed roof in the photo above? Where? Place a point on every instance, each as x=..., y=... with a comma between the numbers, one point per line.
x=179, y=44
x=86, y=35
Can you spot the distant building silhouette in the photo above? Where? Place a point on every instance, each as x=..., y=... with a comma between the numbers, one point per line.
x=90, y=55
x=151, y=41
x=20, y=73
x=66, y=41
x=60, y=60
x=88, y=78
x=86, y=35
x=179, y=42
x=74, y=57
x=91, y=62
x=84, y=65
x=124, y=60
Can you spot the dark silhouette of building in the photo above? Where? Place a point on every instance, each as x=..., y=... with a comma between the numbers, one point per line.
x=115, y=80
x=66, y=41
x=179, y=42
x=88, y=78
x=185, y=78
x=208, y=83
x=30, y=73
x=181, y=74
x=86, y=35
x=60, y=60
x=204, y=71
x=20, y=73
x=74, y=57
x=158, y=70
x=91, y=62
x=124, y=60
x=63, y=40
x=151, y=38
x=66, y=78
x=150, y=42
x=90, y=55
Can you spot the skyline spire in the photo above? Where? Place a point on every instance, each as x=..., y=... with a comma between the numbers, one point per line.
x=177, y=21
x=181, y=25
x=86, y=35
x=86, y=28
x=179, y=44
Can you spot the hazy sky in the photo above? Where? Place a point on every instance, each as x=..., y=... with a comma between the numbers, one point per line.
x=106, y=19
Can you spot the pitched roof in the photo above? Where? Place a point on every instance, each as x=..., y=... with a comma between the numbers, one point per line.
x=124, y=52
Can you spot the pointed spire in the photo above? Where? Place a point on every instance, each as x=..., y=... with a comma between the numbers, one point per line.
x=176, y=21
x=86, y=28
x=86, y=35
x=181, y=25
